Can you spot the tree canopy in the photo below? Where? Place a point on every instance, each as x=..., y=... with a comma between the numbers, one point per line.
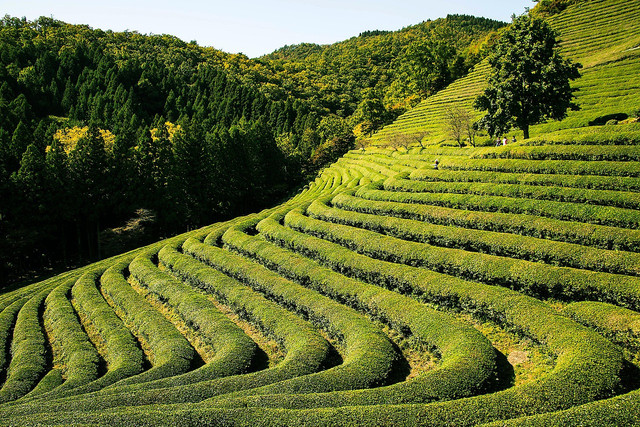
x=530, y=80
x=97, y=125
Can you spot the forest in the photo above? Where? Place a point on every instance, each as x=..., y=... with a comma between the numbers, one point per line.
x=110, y=140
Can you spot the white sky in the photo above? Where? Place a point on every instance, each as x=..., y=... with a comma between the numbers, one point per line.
x=256, y=27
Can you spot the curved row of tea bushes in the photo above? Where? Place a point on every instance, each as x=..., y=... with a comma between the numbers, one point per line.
x=399, y=162
x=532, y=278
x=9, y=297
x=545, y=228
x=602, y=215
x=123, y=356
x=377, y=167
x=467, y=359
x=587, y=365
x=169, y=352
x=618, y=411
x=390, y=166
x=562, y=152
x=593, y=182
x=619, y=324
x=491, y=242
x=7, y=322
x=29, y=362
x=367, y=172
x=80, y=360
x=620, y=199
x=369, y=356
x=234, y=350
x=307, y=351
x=595, y=135
x=564, y=167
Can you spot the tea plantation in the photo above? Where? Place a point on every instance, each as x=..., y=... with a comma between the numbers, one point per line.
x=500, y=288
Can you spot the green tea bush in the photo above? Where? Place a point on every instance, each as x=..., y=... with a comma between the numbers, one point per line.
x=540, y=280
x=605, y=237
x=28, y=351
x=234, y=350
x=627, y=200
x=565, y=167
x=617, y=183
x=455, y=376
x=81, y=362
x=605, y=215
x=169, y=352
x=369, y=355
x=620, y=153
x=491, y=242
x=619, y=324
x=580, y=352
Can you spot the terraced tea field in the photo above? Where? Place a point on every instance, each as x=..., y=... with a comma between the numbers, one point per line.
x=501, y=288
x=602, y=35
x=496, y=288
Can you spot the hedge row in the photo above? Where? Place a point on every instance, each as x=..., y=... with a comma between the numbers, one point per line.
x=367, y=172
x=562, y=152
x=467, y=358
x=501, y=244
x=369, y=356
x=587, y=365
x=618, y=411
x=620, y=325
x=603, y=135
x=532, y=278
x=234, y=350
x=29, y=362
x=80, y=360
x=123, y=356
x=400, y=164
x=528, y=225
x=51, y=381
x=616, y=183
x=620, y=199
x=9, y=297
x=603, y=215
x=307, y=350
x=169, y=352
x=7, y=322
x=565, y=167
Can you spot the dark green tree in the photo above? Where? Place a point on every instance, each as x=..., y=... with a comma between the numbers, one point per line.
x=88, y=170
x=530, y=81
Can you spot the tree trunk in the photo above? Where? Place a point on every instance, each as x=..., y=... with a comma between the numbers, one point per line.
x=525, y=130
x=79, y=236
x=98, y=243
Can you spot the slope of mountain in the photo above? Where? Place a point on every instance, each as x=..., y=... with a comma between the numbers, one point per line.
x=602, y=35
x=501, y=287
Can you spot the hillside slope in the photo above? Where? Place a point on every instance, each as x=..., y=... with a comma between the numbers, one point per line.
x=502, y=288
x=602, y=35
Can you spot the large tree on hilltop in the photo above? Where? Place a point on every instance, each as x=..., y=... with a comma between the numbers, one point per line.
x=530, y=81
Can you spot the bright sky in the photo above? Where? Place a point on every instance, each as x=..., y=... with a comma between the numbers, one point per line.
x=257, y=27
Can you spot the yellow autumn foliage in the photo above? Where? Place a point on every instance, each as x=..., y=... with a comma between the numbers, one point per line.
x=171, y=129
x=69, y=137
